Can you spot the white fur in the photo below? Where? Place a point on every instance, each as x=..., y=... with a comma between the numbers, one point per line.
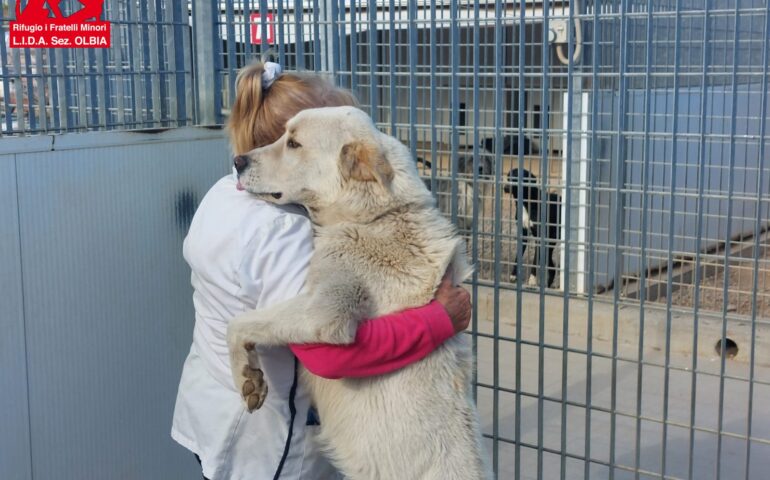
x=381, y=246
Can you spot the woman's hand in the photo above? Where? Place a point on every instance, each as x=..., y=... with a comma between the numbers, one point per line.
x=456, y=301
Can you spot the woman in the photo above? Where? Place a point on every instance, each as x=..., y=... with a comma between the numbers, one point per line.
x=245, y=253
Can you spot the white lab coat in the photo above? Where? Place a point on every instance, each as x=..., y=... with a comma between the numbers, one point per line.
x=244, y=253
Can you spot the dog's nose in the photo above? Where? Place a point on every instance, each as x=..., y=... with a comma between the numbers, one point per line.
x=241, y=162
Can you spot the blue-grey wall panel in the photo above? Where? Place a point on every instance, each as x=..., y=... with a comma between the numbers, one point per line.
x=108, y=305
x=713, y=163
x=15, y=459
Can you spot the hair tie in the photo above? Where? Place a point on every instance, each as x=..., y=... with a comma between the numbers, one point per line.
x=271, y=72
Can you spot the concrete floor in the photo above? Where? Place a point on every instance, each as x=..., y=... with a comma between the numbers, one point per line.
x=650, y=446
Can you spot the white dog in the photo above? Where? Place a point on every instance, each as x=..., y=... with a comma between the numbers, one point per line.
x=381, y=246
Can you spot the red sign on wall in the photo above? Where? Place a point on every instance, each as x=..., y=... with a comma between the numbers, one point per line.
x=256, y=28
x=41, y=24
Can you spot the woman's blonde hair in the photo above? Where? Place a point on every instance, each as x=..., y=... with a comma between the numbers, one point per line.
x=259, y=115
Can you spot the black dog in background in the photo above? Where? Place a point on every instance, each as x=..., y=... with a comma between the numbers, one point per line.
x=465, y=190
x=533, y=199
x=511, y=145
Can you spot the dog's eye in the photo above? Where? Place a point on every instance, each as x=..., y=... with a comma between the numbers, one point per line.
x=292, y=144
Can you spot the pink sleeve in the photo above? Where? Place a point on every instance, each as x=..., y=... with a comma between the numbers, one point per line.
x=382, y=345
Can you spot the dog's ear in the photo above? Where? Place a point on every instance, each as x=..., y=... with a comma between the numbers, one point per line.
x=365, y=162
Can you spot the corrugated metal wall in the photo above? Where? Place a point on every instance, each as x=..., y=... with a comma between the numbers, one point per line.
x=97, y=312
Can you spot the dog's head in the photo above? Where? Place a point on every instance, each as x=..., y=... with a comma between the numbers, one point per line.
x=530, y=190
x=483, y=166
x=334, y=162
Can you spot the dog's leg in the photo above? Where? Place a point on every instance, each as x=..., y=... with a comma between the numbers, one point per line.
x=534, y=275
x=554, y=233
x=520, y=255
x=551, y=265
x=328, y=315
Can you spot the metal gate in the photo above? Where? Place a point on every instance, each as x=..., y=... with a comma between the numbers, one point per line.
x=636, y=344
x=644, y=124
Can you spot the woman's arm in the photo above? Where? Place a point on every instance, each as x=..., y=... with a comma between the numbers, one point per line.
x=391, y=342
x=382, y=345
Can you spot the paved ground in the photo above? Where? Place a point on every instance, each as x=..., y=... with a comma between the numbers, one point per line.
x=741, y=288
x=707, y=398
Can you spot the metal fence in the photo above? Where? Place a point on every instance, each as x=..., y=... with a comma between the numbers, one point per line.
x=143, y=81
x=648, y=152
x=622, y=328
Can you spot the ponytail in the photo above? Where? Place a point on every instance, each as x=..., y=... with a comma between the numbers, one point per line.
x=259, y=114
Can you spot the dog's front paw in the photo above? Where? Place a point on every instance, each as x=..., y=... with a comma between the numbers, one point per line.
x=248, y=377
x=254, y=386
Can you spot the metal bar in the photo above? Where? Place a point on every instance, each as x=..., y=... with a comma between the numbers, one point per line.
x=117, y=52
x=519, y=234
x=42, y=102
x=670, y=267
x=392, y=65
x=134, y=58
x=619, y=210
x=18, y=86
x=475, y=207
x=63, y=88
x=147, y=78
x=187, y=80
x=728, y=235
x=412, y=11
x=101, y=87
x=371, y=12
x=231, y=64
x=281, y=34
x=80, y=78
x=698, y=240
x=566, y=208
x=155, y=47
x=499, y=102
x=338, y=54
x=54, y=91
x=354, y=47
x=5, y=76
x=757, y=235
x=433, y=95
x=246, y=23
x=543, y=228
x=264, y=43
x=174, y=84
x=30, y=90
x=317, y=66
x=299, y=35
x=643, y=241
x=204, y=38
x=454, y=100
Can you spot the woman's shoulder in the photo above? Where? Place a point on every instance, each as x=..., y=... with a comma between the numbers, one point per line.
x=264, y=216
x=264, y=223
x=249, y=208
x=226, y=210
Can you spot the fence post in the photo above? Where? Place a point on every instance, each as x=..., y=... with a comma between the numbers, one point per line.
x=204, y=73
x=326, y=34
